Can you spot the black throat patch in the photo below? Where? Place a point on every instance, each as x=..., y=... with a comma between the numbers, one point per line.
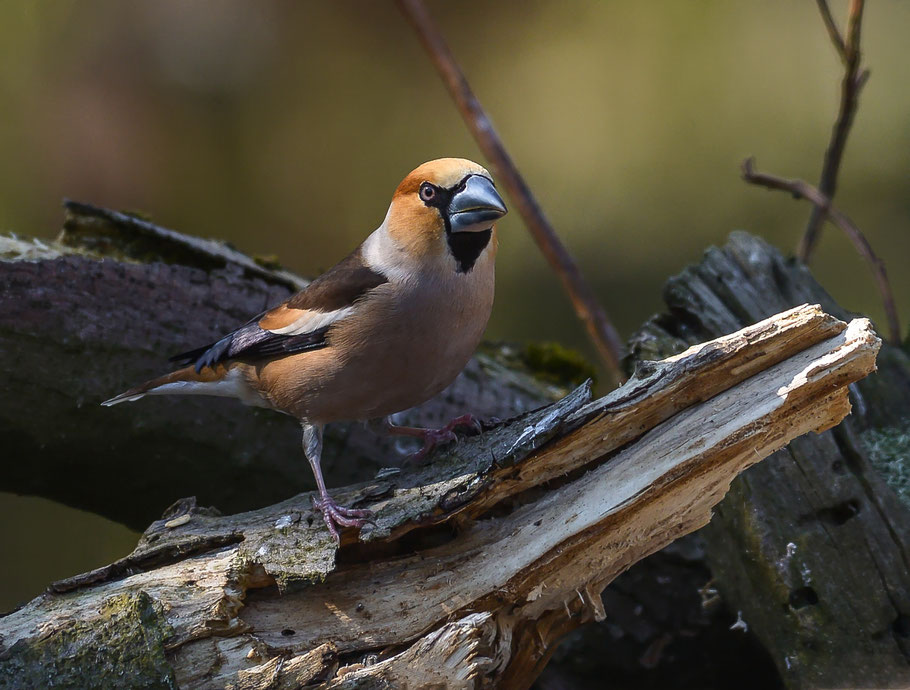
x=467, y=246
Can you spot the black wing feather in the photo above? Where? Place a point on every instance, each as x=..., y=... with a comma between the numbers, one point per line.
x=252, y=342
x=341, y=286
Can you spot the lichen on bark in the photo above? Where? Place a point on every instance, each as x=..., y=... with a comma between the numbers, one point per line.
x=130, y=632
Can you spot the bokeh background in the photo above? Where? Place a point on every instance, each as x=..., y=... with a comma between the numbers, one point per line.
x=284, y=127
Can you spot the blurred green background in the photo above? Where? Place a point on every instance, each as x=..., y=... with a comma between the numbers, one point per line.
x=285, y=126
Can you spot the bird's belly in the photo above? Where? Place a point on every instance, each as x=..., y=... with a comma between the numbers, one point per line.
x=396, y=360
x=399, y=378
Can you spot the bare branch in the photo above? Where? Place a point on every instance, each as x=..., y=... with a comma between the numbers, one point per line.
x=851, y=85
x=803, y=190
x=854, y=26
x=600, y=329
x=833, y=31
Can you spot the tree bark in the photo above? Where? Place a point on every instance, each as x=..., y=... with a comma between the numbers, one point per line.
x=101, y=309
x=813, y=545
x=476, y=565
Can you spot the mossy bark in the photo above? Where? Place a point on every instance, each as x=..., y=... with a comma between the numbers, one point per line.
x=129, y=633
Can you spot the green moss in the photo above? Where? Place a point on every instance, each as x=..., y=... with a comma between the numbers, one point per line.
x=558, y=364
x=503, y=363
x=141, y=215
x=889, y=451
x=550, y=364
x=268, y=261
x=123, y=648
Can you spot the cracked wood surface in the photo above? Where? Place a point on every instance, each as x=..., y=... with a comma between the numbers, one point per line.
x=478, y=562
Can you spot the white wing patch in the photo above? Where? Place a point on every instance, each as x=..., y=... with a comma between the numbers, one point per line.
x=312, y=320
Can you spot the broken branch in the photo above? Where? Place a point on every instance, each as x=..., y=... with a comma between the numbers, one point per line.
x=477, y=564
x=851, y=84
x=831, y=27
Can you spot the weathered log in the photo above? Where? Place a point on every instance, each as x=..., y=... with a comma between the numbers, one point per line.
x=476, y=564
x=102, y=308
x=812, y=546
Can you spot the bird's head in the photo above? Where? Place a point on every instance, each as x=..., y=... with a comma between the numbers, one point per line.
x=446, y=208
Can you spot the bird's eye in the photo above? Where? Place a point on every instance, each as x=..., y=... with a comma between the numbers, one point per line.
x=427, y=191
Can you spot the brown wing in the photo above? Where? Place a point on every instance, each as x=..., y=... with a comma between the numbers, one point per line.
x=299, y=324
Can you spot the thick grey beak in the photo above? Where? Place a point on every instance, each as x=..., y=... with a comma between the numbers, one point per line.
x=476, y=207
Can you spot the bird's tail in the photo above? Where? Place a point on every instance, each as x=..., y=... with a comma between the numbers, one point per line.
x=210, y=381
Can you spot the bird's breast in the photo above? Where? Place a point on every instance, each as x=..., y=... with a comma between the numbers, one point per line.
x=403, y=344
x=430, y=330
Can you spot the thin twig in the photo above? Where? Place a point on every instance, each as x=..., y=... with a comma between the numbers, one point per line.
x=600, y=330
x=803, y=190
x=831, y=26
x=852, y=83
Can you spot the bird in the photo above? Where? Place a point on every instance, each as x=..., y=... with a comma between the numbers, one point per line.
x=385, y=329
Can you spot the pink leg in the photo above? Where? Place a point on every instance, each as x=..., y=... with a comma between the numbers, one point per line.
x=433, y=437
x=335, y=516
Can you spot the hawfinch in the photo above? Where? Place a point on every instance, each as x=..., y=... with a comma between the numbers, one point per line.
x=385, y=329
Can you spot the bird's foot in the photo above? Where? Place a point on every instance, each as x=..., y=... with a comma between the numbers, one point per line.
x=337, y=516
x=437, y=437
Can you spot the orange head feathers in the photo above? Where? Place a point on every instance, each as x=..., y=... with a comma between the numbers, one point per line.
x=445, y=206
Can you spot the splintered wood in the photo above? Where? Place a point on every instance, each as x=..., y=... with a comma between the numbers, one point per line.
x=478, y=563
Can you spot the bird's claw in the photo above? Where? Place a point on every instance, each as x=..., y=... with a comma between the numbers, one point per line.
x=336, y=516
x=437, y=437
